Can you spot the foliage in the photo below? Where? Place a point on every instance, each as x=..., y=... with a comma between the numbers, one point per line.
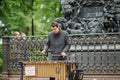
x=1, y=32
x=17, y=14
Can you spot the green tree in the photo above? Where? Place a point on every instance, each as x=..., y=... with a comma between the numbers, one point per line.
x=18, y=14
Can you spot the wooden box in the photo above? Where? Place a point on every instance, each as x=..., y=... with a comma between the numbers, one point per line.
x=57, y=70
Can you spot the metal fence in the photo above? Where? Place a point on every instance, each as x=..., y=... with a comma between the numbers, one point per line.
x=95, y=53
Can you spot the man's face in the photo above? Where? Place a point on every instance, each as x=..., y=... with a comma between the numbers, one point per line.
x=55, y=29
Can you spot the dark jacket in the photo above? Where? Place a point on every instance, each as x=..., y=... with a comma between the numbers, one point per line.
x=58, y=42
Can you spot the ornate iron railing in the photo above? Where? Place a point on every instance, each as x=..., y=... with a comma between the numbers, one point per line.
x=95, y=53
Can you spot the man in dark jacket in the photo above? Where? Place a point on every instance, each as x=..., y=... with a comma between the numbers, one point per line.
x=58, y=42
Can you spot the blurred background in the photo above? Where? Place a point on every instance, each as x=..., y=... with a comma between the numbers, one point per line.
x=32, y=17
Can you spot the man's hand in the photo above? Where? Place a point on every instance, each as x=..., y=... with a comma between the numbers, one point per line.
x=63, y=54
x=43, y=51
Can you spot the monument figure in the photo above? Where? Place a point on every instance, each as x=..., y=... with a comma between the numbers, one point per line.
x=89, y=16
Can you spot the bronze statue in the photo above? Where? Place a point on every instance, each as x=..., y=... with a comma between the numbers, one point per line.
x=89, y=16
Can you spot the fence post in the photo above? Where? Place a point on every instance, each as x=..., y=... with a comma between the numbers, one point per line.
x=5, y=55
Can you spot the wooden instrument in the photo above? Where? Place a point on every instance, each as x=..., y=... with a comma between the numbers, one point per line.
x=58, y=70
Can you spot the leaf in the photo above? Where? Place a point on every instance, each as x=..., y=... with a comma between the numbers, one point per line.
x=17, y=14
